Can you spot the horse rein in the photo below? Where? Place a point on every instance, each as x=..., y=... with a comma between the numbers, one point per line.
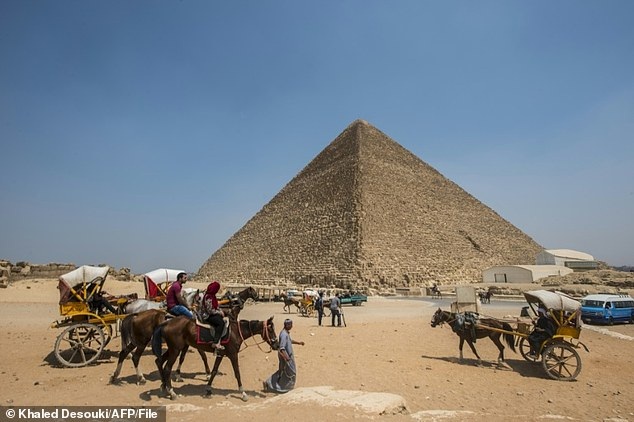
x=264, y=334
x=443, y=322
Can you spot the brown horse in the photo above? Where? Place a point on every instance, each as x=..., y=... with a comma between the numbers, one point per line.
x=137, y=330
x=229, y=301
x=180, y=332
x=290, y=301
x=469, y=332
x=136, y=333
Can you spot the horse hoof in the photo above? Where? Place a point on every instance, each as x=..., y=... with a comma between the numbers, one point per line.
x=179, y=379
x=504, y=365
x=208, y=393
x=245, y=397
x=141, y=381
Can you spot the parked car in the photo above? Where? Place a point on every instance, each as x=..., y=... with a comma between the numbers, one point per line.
x=356, y=299
x=607, y=308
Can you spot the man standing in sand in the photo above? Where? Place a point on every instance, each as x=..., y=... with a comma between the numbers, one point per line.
x=335, y=304
x=319, y=306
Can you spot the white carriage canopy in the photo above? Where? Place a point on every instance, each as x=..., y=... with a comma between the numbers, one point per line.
x=553, y=300
x=154, y=278
x=75, y=282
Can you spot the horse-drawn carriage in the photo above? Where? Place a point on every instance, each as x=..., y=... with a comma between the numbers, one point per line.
x=307, y=306
x=157, y=282
x=557, y=354
x=87, y=327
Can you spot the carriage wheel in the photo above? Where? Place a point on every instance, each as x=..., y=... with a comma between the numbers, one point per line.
x=79, y=345
x=107, y=334
x=525, y=347
x=310, y=310
x=561, y=362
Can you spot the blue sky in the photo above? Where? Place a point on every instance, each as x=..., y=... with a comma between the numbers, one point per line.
x=143, y=134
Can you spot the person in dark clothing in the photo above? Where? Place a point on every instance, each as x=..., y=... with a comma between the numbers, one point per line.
x=545, y=328
x=212, y=313
x=98, y=302
x=319, y=306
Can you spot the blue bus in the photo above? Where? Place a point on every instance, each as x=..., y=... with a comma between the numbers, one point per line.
x=607, y=308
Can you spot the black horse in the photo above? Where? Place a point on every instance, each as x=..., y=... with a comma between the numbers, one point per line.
x=180, y=333
x=479, y=328
x=485, y=297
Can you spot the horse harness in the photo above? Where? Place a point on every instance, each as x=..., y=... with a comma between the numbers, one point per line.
x=265, y=337
x=461, y=322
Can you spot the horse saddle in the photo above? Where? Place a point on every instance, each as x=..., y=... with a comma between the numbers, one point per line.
x=205, y=333
x=466, y=321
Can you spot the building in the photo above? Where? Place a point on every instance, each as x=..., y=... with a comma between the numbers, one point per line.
x=578, y=261
x=522, y=273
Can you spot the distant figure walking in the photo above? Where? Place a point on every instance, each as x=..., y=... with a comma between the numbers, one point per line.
x=319, y=306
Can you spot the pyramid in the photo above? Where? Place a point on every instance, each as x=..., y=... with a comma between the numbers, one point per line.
x=367, y=212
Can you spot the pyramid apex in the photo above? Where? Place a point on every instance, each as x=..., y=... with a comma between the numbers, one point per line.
x=360, y=122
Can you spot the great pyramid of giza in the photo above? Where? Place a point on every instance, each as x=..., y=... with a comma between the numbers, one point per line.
x=367, y=212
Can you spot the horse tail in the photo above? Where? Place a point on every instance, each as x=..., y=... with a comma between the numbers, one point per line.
x=157, y=340
x=126, y=331
x=510, y=338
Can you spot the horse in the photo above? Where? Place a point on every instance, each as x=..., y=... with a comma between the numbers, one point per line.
x=190, y=294
x=180, y=332
x=137, y=329
x=230, y=300
x=136, y=333
x=485, y=297
x=477, y=330
x=290, y=300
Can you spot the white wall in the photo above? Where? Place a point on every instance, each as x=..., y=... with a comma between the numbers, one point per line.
x=522, y=274
x=541, y=271
x=514, y=274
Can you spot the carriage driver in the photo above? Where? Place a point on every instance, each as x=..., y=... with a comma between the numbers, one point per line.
x=544, y=329
x=176, y=304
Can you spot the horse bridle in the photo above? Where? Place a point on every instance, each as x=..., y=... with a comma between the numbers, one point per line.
x=442, y=321
x=265, y=336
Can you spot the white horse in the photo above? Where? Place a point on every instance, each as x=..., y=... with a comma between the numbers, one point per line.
x=141, y=305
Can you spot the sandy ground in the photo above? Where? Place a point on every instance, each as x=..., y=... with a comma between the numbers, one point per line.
x=387, y=364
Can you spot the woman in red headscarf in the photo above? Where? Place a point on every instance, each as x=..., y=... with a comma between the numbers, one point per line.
x=212, y=313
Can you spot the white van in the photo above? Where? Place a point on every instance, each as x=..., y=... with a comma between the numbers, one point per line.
x=607, y=308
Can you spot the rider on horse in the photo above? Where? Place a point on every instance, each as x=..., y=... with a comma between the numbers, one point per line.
x=212, y=313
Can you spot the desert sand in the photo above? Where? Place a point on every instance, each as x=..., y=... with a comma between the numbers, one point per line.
x=387, y=364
